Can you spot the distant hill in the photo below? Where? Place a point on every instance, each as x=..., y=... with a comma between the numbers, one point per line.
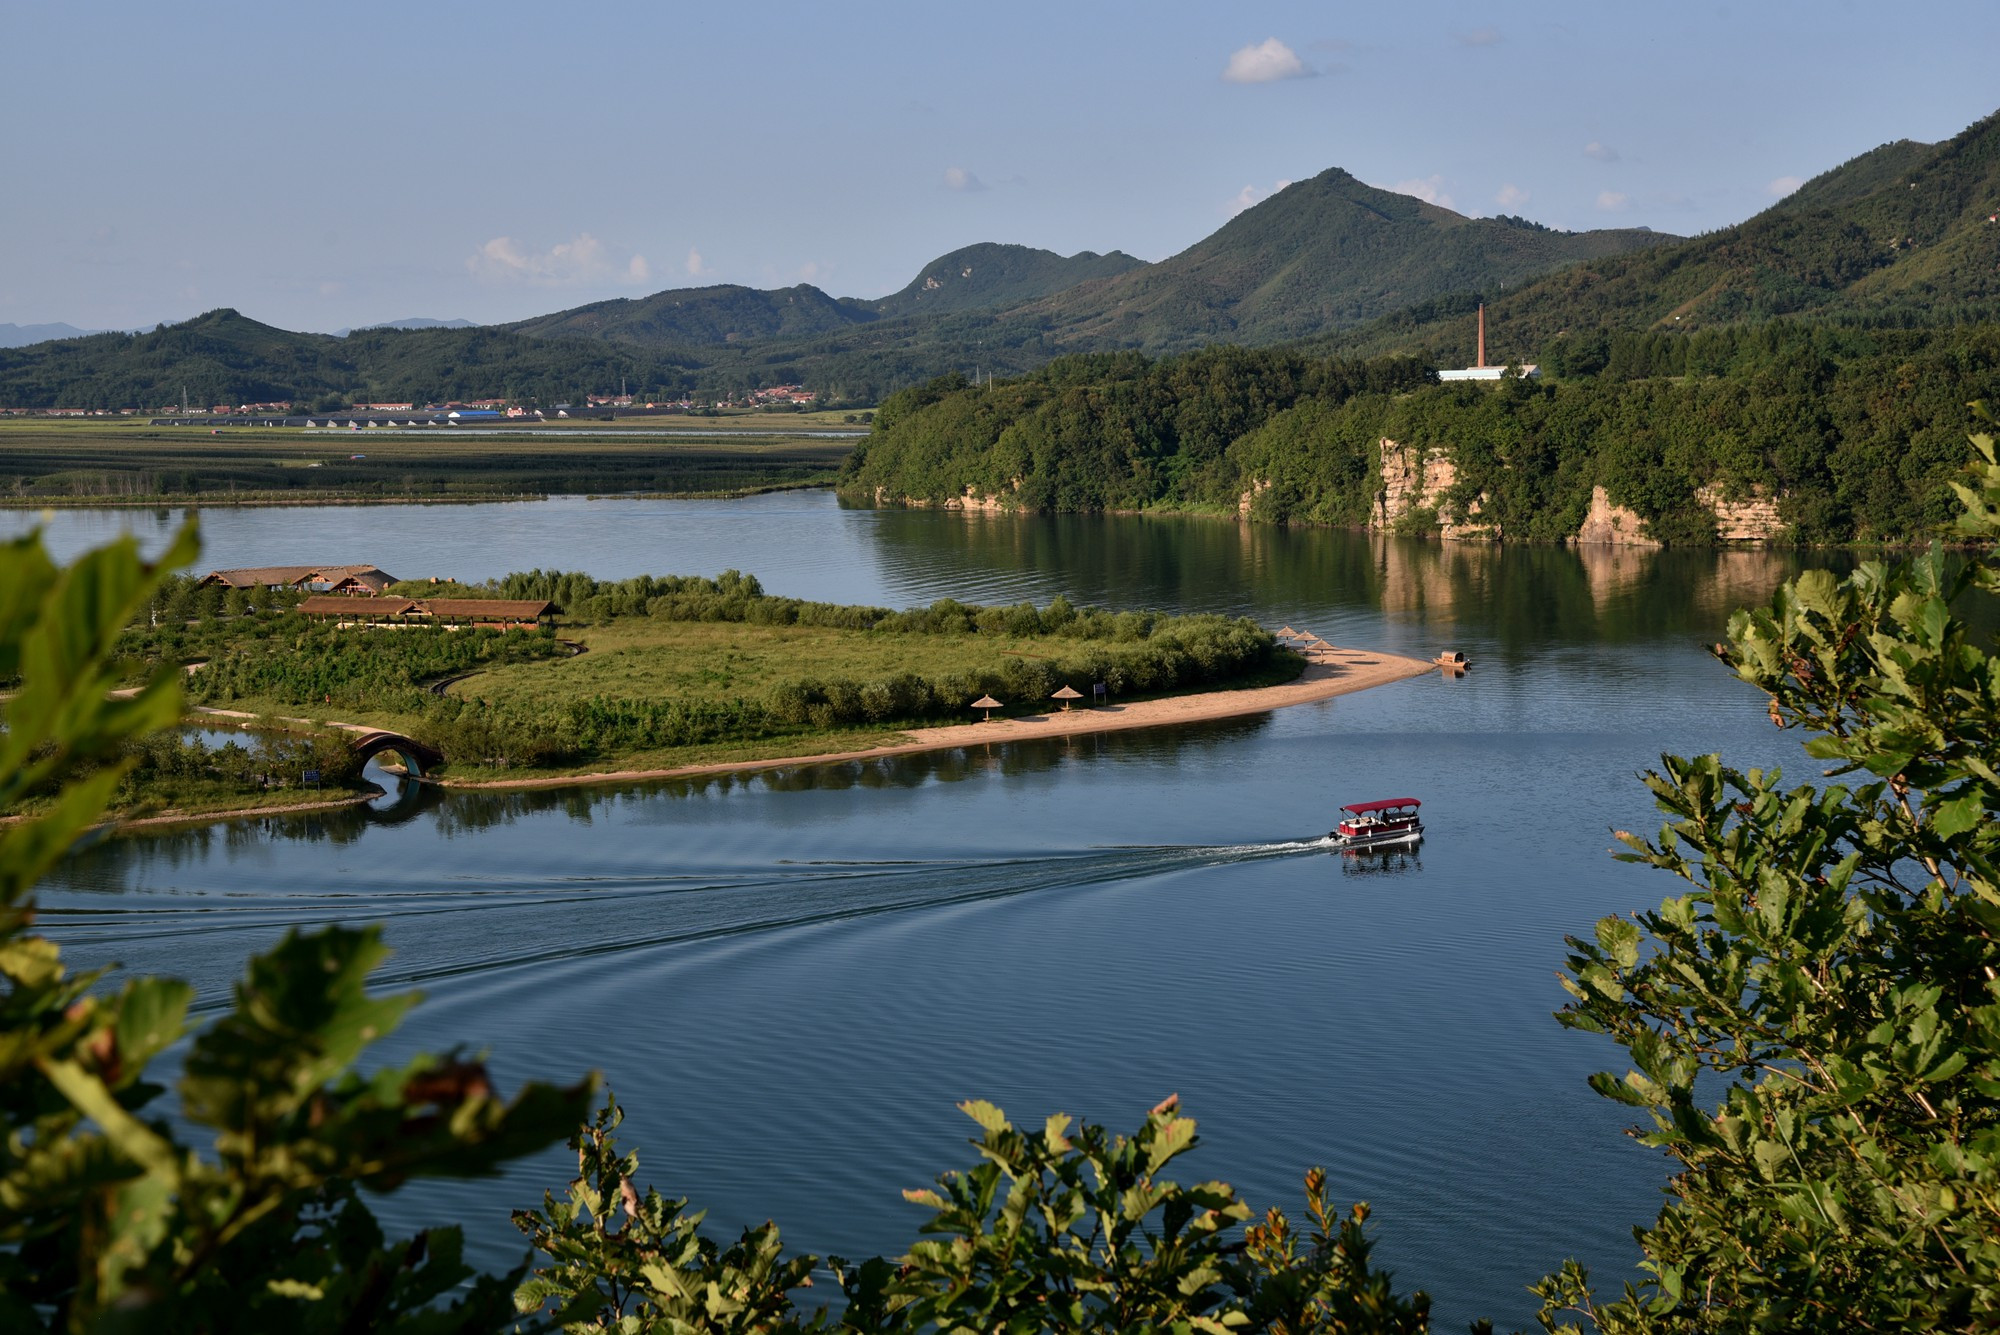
x=1323, y=254
x=1901, y=235
x=224, y=357
x=21, y=335
x=695, y=315
x=989, y=276
x=975, y=278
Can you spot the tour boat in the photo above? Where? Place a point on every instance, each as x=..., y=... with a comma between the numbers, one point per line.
x=1384, y=824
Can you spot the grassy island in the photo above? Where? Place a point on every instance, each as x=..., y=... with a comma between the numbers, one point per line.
x=633, y=675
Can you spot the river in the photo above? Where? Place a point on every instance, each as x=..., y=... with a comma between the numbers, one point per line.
x=791, y=979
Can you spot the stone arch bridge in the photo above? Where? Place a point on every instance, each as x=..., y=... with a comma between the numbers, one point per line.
x=416, y=757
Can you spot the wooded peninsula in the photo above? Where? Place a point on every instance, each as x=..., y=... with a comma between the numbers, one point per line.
x=1787, y=432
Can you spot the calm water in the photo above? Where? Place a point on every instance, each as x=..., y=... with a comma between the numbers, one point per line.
x=791, y=979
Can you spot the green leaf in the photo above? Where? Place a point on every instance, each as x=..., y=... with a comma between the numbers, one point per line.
x=1966, y=811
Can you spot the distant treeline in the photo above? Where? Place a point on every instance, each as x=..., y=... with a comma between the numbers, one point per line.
x=1855, y=432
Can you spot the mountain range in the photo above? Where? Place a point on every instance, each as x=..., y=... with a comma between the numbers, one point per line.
x=1901, y=234
x=1905, y=234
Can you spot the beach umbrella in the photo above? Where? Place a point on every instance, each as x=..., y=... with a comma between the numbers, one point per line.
x=1067, y=694
x=987, y=703
x=1288, y=634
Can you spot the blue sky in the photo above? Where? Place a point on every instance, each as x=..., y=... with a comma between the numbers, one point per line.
x=319, y=165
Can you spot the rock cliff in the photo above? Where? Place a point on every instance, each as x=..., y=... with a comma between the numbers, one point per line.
x=1416, y=478
x=1751, y=519
x=1613, y=525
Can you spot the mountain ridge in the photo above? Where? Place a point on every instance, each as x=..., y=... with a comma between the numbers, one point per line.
x=1900, y=233
x=1903, y=233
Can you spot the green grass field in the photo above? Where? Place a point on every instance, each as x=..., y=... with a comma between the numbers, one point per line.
x=47, y=461
x=644, y=658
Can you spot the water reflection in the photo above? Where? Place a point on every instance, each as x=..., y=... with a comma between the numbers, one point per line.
x=1379, y=861
x=1513, y=596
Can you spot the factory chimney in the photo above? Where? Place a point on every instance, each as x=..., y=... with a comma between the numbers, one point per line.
x=1482, y=335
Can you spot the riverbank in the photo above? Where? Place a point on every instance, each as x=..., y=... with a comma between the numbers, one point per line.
x=1329, y=673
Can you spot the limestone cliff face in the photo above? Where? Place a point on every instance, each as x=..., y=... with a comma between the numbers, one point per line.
x=1413, y=478
x=1753, y=519
x=1258, y=486
x=1418, y=477
x=1472, y=528
x=1612, y=525
x=969, y=499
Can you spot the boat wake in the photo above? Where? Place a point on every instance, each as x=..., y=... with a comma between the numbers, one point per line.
x=470, y=925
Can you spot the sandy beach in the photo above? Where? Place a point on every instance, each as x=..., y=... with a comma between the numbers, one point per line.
x=1329, y=672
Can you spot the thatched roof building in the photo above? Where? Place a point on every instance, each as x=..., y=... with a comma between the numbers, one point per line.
x=363, y=581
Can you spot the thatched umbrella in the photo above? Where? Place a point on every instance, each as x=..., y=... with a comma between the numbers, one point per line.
x=1288, y=634
x=987, y=703
x=1067, y=694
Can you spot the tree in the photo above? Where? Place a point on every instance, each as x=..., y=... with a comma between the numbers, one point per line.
x=1068, y=1228
x=1814, y=1027
x=108, y=1220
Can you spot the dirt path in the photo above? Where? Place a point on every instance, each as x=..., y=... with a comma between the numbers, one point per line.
x=1328, y=673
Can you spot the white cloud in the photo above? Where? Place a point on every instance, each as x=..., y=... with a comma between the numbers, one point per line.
x=1250, y=195
x=1429, y=189
x=696, y=265
x=1601, y=151
x=958, y=178
x=1511, y=196
x=565, y=264
x=1611, y=201
x=1267, y=61
x=1480, y=37
x=1784, y=185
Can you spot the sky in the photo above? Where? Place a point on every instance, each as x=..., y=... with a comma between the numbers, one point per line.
x=319, y=166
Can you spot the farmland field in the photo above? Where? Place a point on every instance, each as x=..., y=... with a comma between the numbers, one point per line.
x=45, y=462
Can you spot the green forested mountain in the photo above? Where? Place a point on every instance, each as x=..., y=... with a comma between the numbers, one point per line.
x=990, y=276
x=1900, y=235
x=1834, y=433
x=981, y=277
x=696, y=315
x=1320, y=255
x=224, y=357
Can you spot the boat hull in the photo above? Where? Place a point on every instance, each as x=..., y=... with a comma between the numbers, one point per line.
x=1377, y=839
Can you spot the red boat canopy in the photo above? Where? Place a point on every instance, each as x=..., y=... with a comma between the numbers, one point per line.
x=1386, y=804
